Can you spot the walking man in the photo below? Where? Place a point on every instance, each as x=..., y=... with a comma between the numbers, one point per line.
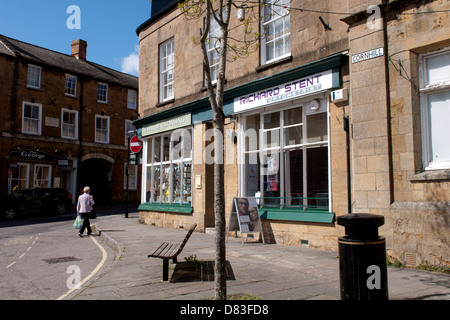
x=84, y=208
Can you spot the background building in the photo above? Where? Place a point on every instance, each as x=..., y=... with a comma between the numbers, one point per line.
x=348, y=111
x=64, y=122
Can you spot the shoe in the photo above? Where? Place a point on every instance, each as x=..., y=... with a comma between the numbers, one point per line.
x=80, y=235
x=89, y=234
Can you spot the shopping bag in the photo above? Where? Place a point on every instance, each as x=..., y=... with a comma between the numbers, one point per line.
x=78, y=222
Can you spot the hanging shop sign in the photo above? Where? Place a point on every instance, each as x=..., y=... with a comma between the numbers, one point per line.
x=367, y=55
x=31, y=155
x=286, y=91
x=167, y=125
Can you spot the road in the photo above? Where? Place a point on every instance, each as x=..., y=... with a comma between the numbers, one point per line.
x=43, y=258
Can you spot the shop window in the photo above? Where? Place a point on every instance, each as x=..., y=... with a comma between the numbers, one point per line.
x=69, y=124
x=101, y=129
x=102, y=93
x=42, y=176
x=21, y=177
x=285, y=158
x=34, y=77
x=168, y=169
x=32, y=118
x=435, y=109
x=71, y=86
x=276, y=43
x=167, y=70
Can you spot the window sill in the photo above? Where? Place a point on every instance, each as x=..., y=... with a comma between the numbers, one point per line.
x=295, y=214
x=162, y=104
x=432, y=175
x=274, y=64
x=164, y=207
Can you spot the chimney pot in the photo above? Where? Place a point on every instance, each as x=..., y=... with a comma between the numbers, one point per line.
x=79, y=49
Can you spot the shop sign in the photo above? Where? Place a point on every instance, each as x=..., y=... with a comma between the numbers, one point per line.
x=285, y=92
x=167, y=125
x=31, y=155
x=367, y=55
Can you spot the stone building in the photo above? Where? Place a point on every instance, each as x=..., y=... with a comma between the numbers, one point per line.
x=64, y=122
x=339, y=111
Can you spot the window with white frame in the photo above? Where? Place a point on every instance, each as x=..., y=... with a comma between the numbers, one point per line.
x=435, y=108
x=71, y=85
x=102, y=129
x=132, y=99
x=32, y=118
x=130, y=130
x=168, y=168
x=132, y=177
x=276, y=43
x=213, y=46
x=42, y=176
x=21, y=177
x=167, y=73
x=102, y=93
x=34, y=77
x=69, y=124
x=285, y=158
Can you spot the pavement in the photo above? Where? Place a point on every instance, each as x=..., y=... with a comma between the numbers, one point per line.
x=255, y=270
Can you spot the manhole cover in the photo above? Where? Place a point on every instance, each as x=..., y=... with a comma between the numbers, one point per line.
x=61, y=260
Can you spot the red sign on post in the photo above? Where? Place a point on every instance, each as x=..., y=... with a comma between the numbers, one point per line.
x=135, y=145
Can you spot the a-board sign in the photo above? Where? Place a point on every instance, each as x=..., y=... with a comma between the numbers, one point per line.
x=244, y=217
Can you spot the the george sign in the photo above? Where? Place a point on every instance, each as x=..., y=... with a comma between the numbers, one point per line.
x=31, y=155
x=245, y=217
x=367, y=55
x=135, y=145
x=285, y=92
x=167, y=125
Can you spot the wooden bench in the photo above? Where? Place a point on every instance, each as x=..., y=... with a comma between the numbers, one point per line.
x=168, y=251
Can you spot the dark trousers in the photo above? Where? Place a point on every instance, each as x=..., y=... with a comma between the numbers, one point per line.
x=86, y=223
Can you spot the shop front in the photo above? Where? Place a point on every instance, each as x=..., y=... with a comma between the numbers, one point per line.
x=278, y=149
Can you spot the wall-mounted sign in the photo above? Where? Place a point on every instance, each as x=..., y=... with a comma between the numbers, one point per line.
x=31, y=155
x=167, y=125
x=367, y=55
x=284, y=92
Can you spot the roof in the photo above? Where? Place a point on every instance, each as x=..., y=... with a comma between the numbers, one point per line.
x=159, y=9
x=41, y=56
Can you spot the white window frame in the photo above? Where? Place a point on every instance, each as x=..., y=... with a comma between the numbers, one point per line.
x=167, y=69
x=67, y=89
x=33, y=73
x=39, y=120
x=159, y=164
x=132, y=99
x=47, y=180
x=108, y=129
x=213, y=48
x=281, y=149
x=427, y=89
x=273, y=19
x=100, y=94
x=20, y=167
x=63, y=124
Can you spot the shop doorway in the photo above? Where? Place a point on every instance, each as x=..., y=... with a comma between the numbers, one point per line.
x=96, y=174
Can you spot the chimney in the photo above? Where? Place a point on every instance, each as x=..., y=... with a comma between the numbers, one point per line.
x=79, y=49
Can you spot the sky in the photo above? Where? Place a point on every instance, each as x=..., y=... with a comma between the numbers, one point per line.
x=109, y=27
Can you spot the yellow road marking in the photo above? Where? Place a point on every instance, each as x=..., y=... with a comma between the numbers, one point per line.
x=105, y=256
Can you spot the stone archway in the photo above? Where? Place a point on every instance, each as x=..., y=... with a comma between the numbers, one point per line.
x=95, y=172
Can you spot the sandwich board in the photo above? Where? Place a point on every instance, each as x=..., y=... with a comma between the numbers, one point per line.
x=244, y=217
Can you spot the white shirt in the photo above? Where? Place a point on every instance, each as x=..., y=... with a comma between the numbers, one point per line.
x=85, y=203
